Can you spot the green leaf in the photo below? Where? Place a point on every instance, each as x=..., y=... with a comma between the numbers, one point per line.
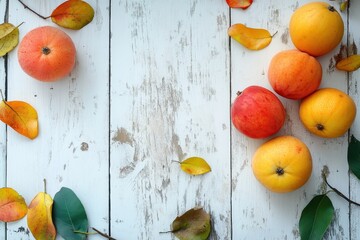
x=354, y=156
x=69, y=215
x=192, y=225
x=316, y=218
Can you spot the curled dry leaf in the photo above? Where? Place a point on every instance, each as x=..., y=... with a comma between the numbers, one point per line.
x=244, y=4
x=9, y=38
x=73, y=14
x=39, y=218
x=12, y=205
x=251, y=38
x=349, y=64
x=192, y=225
x=20, y=116
x=195, y=166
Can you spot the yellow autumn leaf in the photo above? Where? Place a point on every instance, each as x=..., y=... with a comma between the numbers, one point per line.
x=39, y=217
x=9, y=38
x=20, y=116
x=12, y=205
x=195, y=166
x=349, y=64
x=251, y=38
x=73, y=14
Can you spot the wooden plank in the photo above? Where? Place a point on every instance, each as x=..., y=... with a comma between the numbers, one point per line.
x=72, y=147
x=3, y=10
x=169, y=101
x=257, y=212
x=354, y=77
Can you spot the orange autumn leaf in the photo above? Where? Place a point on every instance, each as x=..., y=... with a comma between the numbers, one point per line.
x=251, y=38
x=243, y=4
x=12, y=205
x=195, y=166
x=20, y=116
x=349, y=64
x=73, y=14
x=39, y=218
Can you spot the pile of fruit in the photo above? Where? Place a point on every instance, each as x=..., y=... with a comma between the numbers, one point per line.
x=284, y=163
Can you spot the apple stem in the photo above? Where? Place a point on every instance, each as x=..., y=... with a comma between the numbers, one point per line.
x=331, y=8
x=26, y=7
x=238, y=93
x=338, y=192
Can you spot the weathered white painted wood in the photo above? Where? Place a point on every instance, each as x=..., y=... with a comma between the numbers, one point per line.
x=257, y=212
x=354, y=77
x=72, y=147
x=2, y=126
x=169, y=101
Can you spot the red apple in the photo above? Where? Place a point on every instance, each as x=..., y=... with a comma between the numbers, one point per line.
x=244, y=4
x=257, y=112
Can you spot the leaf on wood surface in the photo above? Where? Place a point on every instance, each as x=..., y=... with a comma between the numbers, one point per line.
x=349, y=64
x=12, y=205
x=353, y=156
x=39, y=218
x=69, y=215
x=244, y=4
x=20, y=116
x=192, y=225
x=9, y=38
x=73, y=14
x=251, y=38
x=344, y=5
x=316, y=217
x=195, y=166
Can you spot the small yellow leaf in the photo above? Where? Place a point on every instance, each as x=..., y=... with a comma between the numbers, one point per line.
x=20, y=116
x=349, y=64
x=39, y=218
x=12, y=205
x=251, y=38
x=9, y=38
x=344, y=6
x=195, y=166
x=73, y=14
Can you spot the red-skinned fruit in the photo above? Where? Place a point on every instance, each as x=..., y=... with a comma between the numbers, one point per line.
x=257, y=112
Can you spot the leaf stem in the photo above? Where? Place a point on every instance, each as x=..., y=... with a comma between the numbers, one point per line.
x=103, y=234
x=26, y=7
x=44, y=185
x=338, y=192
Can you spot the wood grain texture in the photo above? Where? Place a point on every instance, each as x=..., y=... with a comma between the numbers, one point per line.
x=3, y=11
x=259, y=213
x=169, y=101
x=354, y=77
x=153, y=83
x=72, y=147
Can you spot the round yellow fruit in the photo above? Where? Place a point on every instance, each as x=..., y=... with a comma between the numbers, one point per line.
x=282, y=164
x=316, y=28
x=327, y=112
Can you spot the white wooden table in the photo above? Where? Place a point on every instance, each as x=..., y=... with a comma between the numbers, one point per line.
x=153, y=82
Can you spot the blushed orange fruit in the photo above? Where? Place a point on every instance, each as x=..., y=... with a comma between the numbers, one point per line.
x=328, y=112
x=282, y=164
x=47, y=54
x=316, y=28
x=294, y=74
